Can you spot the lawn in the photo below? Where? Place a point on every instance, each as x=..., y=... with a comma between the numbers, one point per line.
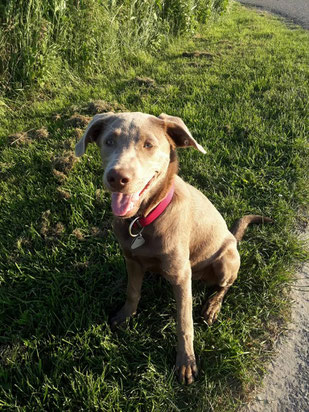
x=242, y=88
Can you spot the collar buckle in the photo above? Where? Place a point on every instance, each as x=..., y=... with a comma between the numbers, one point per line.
x=135, y=222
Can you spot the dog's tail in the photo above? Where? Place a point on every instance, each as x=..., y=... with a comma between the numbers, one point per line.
x=239, y=227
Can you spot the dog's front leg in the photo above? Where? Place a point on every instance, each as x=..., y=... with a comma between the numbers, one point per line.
x=185, y=362
x=135, y=280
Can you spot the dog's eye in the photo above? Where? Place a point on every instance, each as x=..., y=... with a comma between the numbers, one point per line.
x=109, y=142
x=148, y=145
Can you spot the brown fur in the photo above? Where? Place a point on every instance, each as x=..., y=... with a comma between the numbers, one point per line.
x=189, y=240
x=239, y=227
x=165, y=186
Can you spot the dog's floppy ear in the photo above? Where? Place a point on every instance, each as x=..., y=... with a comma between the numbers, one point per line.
x=94, y=129
x=179, y=132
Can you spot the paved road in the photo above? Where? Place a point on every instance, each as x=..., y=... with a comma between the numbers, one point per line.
x=295, y=10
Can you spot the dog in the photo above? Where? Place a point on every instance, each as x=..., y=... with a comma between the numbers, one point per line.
x=162, y=223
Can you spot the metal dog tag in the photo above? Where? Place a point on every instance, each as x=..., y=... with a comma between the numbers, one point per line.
x=138, y=241
x=138, y=238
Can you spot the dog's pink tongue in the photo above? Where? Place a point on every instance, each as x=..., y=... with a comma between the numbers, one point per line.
x=122, y=203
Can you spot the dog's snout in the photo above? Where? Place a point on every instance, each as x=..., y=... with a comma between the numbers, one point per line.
x=117, y=179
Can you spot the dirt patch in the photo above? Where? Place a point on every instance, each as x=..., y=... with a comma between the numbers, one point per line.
x=100, y=106
x=78, y=234
x=95, y=231
x=56, y=117
x=19, y=139
x=39, y=134
x=25, y=138
x=61, y=177
x=78, y=120
x=64, y=163
x=23, y=243
x=49, y=232
x=63, y=194
x=78, y=134
x=58, y=229
x=145, y=81
x=197, y=53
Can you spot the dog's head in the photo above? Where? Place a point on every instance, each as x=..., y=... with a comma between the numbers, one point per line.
x=136, y=152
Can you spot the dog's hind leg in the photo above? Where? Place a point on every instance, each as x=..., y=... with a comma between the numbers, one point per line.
x=225, y=270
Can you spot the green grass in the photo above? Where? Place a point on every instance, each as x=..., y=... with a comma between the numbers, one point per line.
x=44, y=43
x=61, y=276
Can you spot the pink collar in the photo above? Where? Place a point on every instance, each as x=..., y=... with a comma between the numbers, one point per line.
x=158, y=210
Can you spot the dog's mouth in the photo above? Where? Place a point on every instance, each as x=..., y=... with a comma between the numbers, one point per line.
x=123, y=203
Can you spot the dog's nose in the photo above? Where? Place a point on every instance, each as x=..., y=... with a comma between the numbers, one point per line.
x=117, y=179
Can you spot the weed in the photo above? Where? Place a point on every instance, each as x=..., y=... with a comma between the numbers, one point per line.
x=46, y=43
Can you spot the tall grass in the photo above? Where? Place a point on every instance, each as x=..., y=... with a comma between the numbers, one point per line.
x=42, y=40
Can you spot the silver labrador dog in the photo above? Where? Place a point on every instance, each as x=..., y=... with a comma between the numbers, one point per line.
x=162, y=223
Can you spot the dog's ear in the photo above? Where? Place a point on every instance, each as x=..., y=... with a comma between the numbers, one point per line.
x=179, y=132
x=93, y=131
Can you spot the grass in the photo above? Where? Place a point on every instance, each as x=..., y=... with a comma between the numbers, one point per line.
x=43, y=44
x=246, y=101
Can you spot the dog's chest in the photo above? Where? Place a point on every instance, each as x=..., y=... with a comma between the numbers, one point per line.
x=147, y=255
x=148, y=252
x=142, y=246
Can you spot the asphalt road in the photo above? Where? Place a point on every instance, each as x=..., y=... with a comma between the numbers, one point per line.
x=295, y=10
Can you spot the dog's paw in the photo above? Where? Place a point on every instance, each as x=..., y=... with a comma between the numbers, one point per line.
x=186, y=368
x=211, y=311
x=120, y=317
x=117, y=320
